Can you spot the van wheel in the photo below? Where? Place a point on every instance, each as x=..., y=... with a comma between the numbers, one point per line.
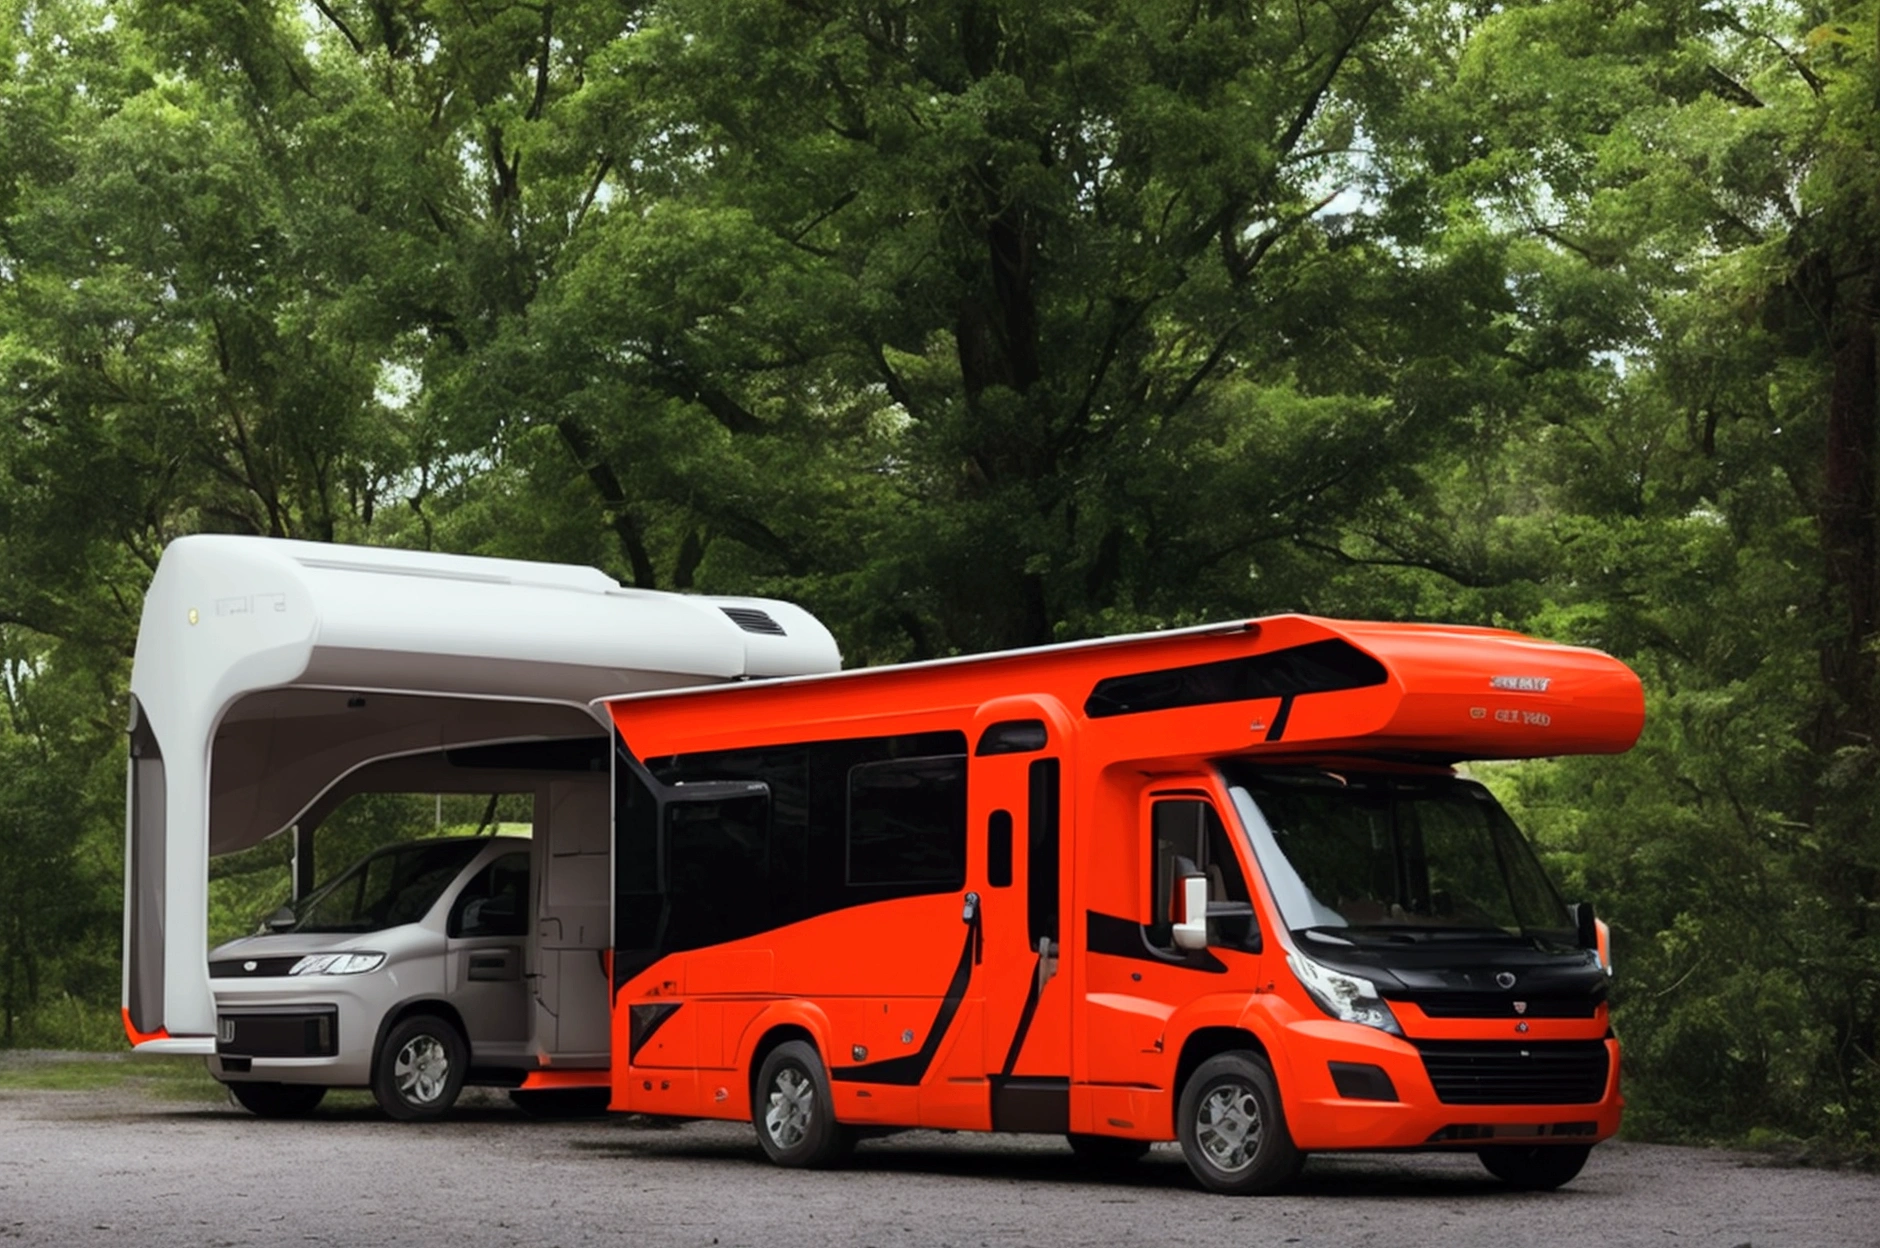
x=1107, y=1150
x=277, y=1100
x=1535, y=1168
x=793, y=1111
x=1232, y=1129
x=420, y=1069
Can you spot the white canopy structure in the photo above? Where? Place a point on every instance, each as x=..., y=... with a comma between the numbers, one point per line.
x=268, y=672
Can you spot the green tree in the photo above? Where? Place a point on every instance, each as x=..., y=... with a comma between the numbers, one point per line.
x=1686, y=192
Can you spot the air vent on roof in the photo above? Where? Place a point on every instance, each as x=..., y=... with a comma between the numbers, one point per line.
x=751, y=620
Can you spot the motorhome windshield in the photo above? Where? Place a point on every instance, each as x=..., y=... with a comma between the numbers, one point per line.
x=393, y=886
x=1393, y=858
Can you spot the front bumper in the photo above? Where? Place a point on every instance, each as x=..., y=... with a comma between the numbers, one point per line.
x=1322, y=1118
x=317, y=1030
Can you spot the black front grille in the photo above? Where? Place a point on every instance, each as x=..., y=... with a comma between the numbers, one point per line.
x=238, y=968
x=1497, y=1072
x=1501, y=1005
x=306, y=1033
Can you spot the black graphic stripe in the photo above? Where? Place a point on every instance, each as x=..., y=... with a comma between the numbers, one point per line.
x=1279, y=718
x=907, y=1072
x=1024, y=1022
x=1126, y=938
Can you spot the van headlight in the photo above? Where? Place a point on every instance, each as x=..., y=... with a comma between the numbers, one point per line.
x=1348, y=998
x=337, y=964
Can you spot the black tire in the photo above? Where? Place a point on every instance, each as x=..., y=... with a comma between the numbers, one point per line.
x=420, y=1069
x=793, y=1111
x=1232, y=1129
x=562, y=1102
x=1535, y=1167
x=277, y=1100
x=1107, y=1151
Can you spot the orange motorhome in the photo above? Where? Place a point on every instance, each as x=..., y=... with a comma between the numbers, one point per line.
x=1221, y=885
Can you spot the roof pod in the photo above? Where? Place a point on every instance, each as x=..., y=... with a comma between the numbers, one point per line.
x=1435, y=693
x=239, y=635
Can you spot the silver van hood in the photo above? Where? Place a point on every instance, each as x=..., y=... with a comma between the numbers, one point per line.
x=281, y=944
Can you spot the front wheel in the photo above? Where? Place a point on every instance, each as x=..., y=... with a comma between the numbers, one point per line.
x=794, y=1112
x=1232, y=1129
x=277, y=1100
x=1536, y=1167
x=421, y=1068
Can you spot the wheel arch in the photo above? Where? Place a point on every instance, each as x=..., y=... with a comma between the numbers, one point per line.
x=772, y=1038
x=411, y=1009
x=1203, y=1043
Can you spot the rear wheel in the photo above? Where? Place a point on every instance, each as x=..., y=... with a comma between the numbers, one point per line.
x=1537, y=1167
x=1232, y=1129
x=562, y=1102
x=1107, y=1150
x=794, y=1112
x=420, y=1069
x=277, y=1100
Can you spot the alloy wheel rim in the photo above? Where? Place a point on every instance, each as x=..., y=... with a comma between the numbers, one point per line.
x=422, y=1070
x=1228, y=1127
x=792, y=1105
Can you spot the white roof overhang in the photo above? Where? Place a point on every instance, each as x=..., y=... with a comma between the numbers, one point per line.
x=266, y=670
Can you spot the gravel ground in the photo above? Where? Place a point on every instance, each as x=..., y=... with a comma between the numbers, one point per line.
x=121, y=1164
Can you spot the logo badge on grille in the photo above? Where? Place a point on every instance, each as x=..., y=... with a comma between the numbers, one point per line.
x=250, y=965
x=1520, y=1007
x=1505, y=979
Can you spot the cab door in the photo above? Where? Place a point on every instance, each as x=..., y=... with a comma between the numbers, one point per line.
x=1136, y=978
x=1019, y=808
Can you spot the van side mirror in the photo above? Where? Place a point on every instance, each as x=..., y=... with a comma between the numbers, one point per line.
x=1191, y=928
x=280, y=920
x=1587, y=927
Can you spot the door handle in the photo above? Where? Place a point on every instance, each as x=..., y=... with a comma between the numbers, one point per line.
x=491, y=966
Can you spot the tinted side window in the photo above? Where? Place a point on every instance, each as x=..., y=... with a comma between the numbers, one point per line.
x=1042, y=863
x=638, y=904
x=1190, y=838
x=496, y=902
x=1317, y=667
x=717, y=864
x=905, y=793
x=907, y=822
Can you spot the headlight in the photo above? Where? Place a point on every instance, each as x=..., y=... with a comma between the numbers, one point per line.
x=1348, y=998
x=338, y=964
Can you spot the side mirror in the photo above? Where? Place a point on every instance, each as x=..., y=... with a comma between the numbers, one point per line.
x=1191, y=929
x=1587, y=927
x=280, y=920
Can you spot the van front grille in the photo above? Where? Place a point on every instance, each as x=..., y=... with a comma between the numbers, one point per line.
x=309, y=1033
x=1497, y=1072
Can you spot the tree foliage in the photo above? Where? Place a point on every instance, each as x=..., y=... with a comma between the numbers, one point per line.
x=994, y=322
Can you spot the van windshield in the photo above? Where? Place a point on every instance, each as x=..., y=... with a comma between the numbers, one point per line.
x=1395, y=858
x=393, y=886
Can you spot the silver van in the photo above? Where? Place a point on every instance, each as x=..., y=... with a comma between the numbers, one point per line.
x=408, y=973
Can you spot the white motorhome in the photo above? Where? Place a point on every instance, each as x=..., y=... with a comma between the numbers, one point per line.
x=275, y=679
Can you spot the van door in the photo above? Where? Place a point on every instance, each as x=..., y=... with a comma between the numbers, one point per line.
x=1019, y=805
x=485, y=932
